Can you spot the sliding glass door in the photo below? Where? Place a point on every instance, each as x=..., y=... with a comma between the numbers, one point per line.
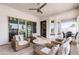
x=29, y=29
x=13, y=27
x=21, y=26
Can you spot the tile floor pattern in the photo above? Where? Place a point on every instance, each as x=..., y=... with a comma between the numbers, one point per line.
x=7, y=50
x=74, y=50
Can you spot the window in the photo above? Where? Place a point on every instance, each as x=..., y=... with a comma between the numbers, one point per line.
x=52, y=27
x=69, y=26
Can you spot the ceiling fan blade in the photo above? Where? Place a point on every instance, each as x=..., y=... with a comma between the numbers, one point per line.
x=43, y=5
x=32, y=9
x=40, y=11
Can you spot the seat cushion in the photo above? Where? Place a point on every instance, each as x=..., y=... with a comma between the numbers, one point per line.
x=17, y=37
x=23, y=42
x=46, y=50
x=21, y=37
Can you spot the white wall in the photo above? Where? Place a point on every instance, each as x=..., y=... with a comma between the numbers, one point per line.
x=6, y=11
x=63, y=16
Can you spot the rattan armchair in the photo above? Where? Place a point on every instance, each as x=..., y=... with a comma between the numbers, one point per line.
x=18, y=42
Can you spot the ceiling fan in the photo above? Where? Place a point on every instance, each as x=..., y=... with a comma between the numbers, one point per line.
x=39, y=8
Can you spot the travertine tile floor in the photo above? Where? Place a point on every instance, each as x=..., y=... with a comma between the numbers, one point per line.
x=7, y=50
x=74, y=50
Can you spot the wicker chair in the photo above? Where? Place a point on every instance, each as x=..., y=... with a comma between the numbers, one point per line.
x=18, y=42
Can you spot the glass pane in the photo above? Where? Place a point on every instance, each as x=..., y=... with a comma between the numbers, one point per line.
x=52, y=27
x=59, y=27
x=22, y=27
x=13, y=27
x=69, y=26
x=29, y=29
